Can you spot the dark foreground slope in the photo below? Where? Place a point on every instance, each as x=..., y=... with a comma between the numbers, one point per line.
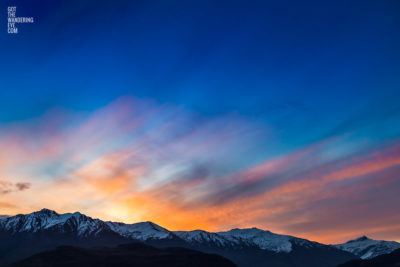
x=20, y=245
x=386, y=260
x=135, y=254
x=317, y=256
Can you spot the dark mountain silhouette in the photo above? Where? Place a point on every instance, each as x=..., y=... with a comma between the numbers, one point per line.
x=135, y=254
x=386, y=260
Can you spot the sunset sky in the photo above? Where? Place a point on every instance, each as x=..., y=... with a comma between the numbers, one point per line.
x=281, y=115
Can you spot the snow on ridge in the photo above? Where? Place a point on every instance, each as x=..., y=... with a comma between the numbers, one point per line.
x=84, y=225
x=261, y=238
x=200, y=236
x=367, y=248
x=142, y=230
x=46, y=219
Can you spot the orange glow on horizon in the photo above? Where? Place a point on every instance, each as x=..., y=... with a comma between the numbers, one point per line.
x=149, y=175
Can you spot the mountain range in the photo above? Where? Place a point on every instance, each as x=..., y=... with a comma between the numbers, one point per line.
x=25, y=235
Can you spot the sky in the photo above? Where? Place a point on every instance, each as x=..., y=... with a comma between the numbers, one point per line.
x=281, y=115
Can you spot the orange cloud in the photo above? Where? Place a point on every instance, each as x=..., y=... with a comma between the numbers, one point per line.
x=135, y=161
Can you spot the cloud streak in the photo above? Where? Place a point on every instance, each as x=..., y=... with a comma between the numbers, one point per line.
x=137, y=160
x=8, y=187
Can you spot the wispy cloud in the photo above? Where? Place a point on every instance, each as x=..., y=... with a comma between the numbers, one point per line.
x=8, y=187
x=137, y=160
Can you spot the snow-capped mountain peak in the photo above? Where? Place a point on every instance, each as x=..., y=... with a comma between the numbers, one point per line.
x=46, y=212
x=202, y=237
x=362, y=238
x=261, y=238
x=142, y=231
x=252, y=237
x=367, y=248
x=48, y=219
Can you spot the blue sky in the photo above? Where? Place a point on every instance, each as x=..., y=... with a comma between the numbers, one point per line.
x=318, y=62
